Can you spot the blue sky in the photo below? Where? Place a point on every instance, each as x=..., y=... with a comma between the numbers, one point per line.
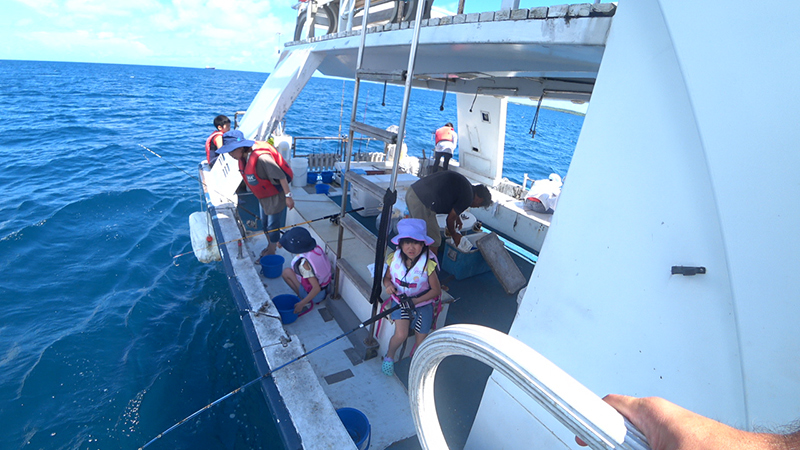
x=226, y=34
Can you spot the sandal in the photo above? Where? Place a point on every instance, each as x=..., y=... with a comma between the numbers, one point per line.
x=388, y=366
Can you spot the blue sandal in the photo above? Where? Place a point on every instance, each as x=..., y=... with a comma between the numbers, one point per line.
x=388, y=366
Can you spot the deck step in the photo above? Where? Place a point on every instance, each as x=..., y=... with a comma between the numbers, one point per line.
x=360, y=232
x=503, y=266
x=374, y=132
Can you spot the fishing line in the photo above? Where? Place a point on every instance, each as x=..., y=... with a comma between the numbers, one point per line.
x=331, y=216
x=197, y=179
x=269, y=373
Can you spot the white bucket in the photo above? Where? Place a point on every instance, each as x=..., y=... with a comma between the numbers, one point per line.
x=300, y=169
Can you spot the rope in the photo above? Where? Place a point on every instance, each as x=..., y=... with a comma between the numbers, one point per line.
x=444, y=94
x=532, y=131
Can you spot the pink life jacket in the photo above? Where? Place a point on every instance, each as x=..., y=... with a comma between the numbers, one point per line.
x=319, y=264
x=414, y=281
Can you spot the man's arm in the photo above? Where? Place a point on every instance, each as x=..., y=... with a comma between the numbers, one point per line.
x=667, y=426
x=452, y=218
x=287, y=191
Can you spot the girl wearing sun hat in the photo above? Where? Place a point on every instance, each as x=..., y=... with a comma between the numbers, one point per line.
x=411, y=272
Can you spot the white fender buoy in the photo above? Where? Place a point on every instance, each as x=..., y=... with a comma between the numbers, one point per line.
x=204, y=241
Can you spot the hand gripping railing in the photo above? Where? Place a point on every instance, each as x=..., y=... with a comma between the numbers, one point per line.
x=575, y=406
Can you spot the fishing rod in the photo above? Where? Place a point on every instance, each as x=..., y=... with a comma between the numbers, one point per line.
x=269, y=373
x=331, y=216
x=198, y=180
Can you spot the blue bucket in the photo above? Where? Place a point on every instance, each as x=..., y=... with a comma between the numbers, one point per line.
x=285, y=304
x=323, y=188
x=357, y=425
x=272, y=266
x=311, y=177
x=327, y=176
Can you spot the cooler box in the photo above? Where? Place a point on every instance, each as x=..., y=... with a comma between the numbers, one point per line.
x=360, y=198
x=463, y=264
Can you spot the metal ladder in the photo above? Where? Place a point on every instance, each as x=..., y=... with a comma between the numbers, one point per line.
x=387, y=137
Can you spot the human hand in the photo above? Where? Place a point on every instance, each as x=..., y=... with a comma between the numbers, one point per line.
x=390, y=289
x=298, y=307
x=406, y=302
x=289, y=202
x=667, y=426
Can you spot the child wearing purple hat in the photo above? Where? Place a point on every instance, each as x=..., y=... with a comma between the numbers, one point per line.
x=411, y=273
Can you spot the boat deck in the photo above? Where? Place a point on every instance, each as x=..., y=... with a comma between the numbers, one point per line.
x=350, y=381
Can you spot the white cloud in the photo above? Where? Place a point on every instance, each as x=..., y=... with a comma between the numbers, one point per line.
x=48, y=8
x=182, y=32
x=98, y=44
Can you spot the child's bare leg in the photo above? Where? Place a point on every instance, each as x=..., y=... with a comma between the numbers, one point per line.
x=290, y=279
x=400, y=335
x=419, y=338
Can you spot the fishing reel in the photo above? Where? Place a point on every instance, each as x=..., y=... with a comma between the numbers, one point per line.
x=406, y=302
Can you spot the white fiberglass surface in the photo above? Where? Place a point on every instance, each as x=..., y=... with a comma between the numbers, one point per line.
x=686, y=158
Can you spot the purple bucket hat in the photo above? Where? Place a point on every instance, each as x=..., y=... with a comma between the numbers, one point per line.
x=413, y=229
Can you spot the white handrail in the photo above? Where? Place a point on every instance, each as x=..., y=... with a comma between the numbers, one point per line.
x=575, y=406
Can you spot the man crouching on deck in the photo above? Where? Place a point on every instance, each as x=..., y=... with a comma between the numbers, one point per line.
x=267, y=175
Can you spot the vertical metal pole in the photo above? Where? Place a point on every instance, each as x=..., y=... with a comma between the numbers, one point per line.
x=407, y=93
x=402, y=128
x=350, y=12
x=311, y=10
x=350, y=134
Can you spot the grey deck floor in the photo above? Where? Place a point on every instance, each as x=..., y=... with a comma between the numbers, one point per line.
x=460, y=381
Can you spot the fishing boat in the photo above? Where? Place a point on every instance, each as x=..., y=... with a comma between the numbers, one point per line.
x=666, y=270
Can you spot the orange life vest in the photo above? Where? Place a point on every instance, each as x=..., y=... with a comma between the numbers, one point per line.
x=260, y=187
x=444, y=134
x=210, y=142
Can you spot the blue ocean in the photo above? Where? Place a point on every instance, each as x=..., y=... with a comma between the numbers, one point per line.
x=106, y=340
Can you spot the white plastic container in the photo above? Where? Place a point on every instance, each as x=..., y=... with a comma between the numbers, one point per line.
x=300, y=170
x=283, y=144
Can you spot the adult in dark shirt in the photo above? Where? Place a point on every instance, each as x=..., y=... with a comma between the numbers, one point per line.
x=445, y=193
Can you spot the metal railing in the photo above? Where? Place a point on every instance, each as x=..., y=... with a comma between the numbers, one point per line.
x=572, y=404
